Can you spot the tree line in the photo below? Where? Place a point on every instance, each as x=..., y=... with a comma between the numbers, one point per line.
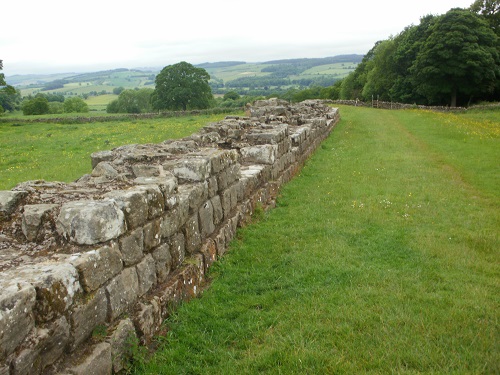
x=445, y=60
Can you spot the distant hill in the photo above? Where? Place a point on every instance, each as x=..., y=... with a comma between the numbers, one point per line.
x=225, y=75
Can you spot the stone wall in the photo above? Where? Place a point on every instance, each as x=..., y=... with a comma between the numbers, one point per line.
x=88, y=268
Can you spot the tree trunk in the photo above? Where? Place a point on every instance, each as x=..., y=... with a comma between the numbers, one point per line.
x=453, y=97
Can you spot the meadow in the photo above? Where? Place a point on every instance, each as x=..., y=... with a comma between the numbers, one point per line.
x=381, y=257
x=61, y=152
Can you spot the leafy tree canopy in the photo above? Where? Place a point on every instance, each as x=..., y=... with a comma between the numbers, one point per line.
x=37, y=106
x=460, y=55
x=75, y=105
x=132, y=101
x=444, y=60
x=9, y=96
x=182, y=86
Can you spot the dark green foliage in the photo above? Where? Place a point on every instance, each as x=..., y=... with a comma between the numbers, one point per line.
x=9, y=96
x=460, y=57
x=182, y=86
x=132, y=101
x=231, y=95
x=54, y=85
x=490, y=10
x=445, y=60
x=75, y=104
x=37, y=106
x=118, y=90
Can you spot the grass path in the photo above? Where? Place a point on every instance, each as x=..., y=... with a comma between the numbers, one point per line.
x=381, y=257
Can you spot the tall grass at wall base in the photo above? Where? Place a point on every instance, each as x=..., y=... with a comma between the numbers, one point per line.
x=382, y=256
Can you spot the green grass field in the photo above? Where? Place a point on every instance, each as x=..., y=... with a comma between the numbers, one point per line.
x=61, y=152
x=381, y=257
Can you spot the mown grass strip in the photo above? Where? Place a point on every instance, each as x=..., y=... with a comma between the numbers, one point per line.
x=381, y=257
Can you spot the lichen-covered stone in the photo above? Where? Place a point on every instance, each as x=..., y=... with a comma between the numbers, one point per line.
x=261, y=154
x=177, y=250
x=32, y=219
x=90, y=222
x=155, y=200
x=121, y=342
x=152, y=234
x=146, y=274
x=8, y=202
x=133, y=203
x=98, y=362
x=44, y=348
x=206, y=219
x=132, y=247
x=17, y=300
x=193, y=235
x=122, y=291
x=56, y=285
x=95, y=267
x=104, y=169
x=101, y=156
x=163, y=261
x=190, y=169
x=148, y=319
x=87, y=315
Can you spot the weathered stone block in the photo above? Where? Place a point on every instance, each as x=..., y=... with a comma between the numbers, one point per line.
x=56, y=285
x=8, y=202
x=228, y=176
x=195, y=194
x=172, y=222
x=122, y=292
x=206, y=219
x=177, y=250
x=229, y=200
x=170, y=295
x=193, y=235
x=101, y=156
x=221, y=159
x=218, y=212
x=98, y=362
x=209, y=251
x=148, y=319
x=95, y=267
x=133, y=203
x=32, y=219
x=146, y=274
x=152, y=234
x=262, y=154
x=91, y=222
x=46, y=346
x=104, y=169
x=88, y=315
x=193, y=169
x=132, y=247
x=156, y=201
x=121, y=344
x=163, y=261
x=17, y=300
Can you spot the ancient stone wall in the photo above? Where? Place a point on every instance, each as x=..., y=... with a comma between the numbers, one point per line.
x=89, y=267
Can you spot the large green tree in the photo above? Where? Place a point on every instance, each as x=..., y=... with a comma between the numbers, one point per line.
x=132, y=101
x=182, y=86
x=75, y=105
x=9, y=96
x=490, y=10
x=460, y=57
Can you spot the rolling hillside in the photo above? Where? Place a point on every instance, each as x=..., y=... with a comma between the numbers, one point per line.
x=226, y=75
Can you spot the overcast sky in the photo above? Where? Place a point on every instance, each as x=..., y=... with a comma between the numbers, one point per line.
x=52, y=36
